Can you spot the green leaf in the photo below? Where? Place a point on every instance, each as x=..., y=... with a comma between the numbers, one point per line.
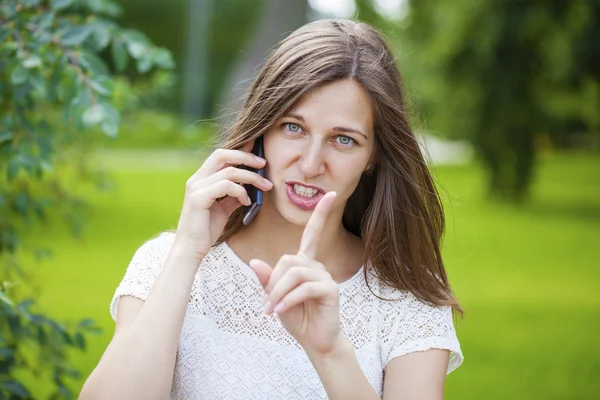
x=72, y=373
x=95, y=331
x=136, y=42
x=38, y=83
x=6, y=137
x=4, y=298
x=19, y=75
x=42, y=336
x=93, y=115
x=42, y=254
x=13, y=169
x=119, y=54
x=110, y=125
x=6, y=352
x=66, y=337
x=101, y=35
x=16, y=388
x=163, y=58
x=102, y=84
x=60, y=4
x=80, y=341
x=86, y=323
x=21, y=203
x=47, y=20
x=32, y=61
x=30, y=3
x=144, y=64
x=92, y=62
x=75, y=35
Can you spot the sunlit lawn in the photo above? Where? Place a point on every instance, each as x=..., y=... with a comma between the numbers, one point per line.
x=528, y=278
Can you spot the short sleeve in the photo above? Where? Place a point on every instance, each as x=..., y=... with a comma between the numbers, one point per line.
x=419, y=327
x=143, y=269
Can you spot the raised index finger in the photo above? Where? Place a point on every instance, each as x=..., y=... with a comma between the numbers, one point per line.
x=314, y=227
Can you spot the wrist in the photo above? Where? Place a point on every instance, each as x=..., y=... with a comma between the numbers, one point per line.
x=185, y=254
x=187, y=248
x=340, y=350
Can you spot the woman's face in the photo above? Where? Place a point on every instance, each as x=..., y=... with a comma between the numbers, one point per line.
x=322, y=144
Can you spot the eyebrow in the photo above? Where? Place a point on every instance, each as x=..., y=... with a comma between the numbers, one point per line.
x=336, y=129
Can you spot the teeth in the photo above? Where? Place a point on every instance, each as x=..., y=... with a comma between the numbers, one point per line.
x=305, y=191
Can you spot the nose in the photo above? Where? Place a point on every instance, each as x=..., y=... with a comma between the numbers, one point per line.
x=312, y=161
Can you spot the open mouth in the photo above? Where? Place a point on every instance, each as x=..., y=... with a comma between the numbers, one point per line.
x=304, y=197
x=305, y=191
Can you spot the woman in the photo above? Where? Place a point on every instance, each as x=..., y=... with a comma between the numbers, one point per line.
x=337, y=288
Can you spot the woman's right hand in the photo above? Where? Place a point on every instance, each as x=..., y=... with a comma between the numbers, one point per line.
x=203, y=217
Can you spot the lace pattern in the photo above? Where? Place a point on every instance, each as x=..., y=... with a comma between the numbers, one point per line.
x=229, y=349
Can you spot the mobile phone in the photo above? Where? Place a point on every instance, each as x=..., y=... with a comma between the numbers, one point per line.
x=255, y=194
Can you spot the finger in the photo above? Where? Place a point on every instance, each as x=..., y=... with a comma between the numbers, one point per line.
x=230, y=204
x=221, y=158
x=285, y=262
x=236, y=175
x=314, y=227
x=294, y=277
x=262, y=270
x=248, y=146
x=205, y=198
x=308, y=291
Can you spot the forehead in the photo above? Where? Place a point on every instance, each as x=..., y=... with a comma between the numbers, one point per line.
x=343, y=102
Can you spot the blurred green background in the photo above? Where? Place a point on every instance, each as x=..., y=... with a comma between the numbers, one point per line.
x=506, y=101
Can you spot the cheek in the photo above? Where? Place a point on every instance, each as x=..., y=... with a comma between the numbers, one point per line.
x=277, y=153
x=347, y=174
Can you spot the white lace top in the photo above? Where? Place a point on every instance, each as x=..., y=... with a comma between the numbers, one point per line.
x=230, y=349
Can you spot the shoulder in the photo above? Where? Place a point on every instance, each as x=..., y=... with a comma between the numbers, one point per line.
x=403, y=310
x=160, y=242
x=409, y=324
x=153, y=252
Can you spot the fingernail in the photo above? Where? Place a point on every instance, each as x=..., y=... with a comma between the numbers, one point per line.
x=265, y=298
x=268, y=182
x=268, y=308
x=259, y=159
x=279, y=308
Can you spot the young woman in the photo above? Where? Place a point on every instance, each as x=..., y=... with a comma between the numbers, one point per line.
x=337, y=288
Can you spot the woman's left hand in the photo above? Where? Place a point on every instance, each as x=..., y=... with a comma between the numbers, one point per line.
x=302, y=292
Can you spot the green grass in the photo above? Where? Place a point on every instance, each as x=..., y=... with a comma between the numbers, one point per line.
x=527, y=277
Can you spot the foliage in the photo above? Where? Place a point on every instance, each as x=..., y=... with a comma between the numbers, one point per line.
x=231, y=28
x=506, y=74
x=55, y=90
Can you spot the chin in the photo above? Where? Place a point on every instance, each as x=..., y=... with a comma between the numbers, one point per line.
x=289, y=212
x=294, y=215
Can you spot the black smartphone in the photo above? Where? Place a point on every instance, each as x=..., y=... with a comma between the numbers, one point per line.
x=255, y=194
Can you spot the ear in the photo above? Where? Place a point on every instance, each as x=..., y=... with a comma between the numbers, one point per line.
x=374, y=159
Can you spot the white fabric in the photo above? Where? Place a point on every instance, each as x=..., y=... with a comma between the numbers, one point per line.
x=229, y=349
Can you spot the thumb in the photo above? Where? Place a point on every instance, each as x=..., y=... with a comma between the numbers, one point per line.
x=262, y=270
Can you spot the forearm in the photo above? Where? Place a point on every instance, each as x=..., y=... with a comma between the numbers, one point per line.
x=341, y=374
x=140, y=360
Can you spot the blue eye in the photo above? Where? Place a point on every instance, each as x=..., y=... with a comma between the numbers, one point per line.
x=292, y=127
x=345, y=141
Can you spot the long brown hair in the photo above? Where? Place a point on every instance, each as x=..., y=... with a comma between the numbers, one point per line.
x=395, y=208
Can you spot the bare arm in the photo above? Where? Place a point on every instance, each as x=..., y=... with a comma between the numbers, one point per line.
x=140, y=359
x=341, y=374
x=418, y=375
